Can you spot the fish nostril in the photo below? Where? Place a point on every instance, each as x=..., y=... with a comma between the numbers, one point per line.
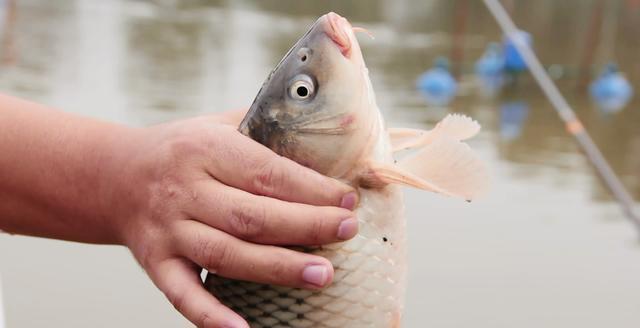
x=304, y=54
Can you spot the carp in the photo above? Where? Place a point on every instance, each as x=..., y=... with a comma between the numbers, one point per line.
x=318, y=108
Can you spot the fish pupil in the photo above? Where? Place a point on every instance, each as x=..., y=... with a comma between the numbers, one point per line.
x=304, y=58
x=302, y=91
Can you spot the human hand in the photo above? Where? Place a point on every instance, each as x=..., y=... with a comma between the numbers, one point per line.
x=197, y=194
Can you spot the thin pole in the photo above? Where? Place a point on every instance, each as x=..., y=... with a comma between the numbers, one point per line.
x=591, y=42
x=572, y=123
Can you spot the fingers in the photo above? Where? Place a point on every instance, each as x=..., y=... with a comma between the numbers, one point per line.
x=180, y=282
x=243, y=163
x=267, y=220
x=231, y=117
x=233, y=258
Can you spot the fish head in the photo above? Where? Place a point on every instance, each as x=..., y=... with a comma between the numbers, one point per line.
x=317, y=106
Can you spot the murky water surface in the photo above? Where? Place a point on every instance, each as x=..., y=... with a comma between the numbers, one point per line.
x=547, y=247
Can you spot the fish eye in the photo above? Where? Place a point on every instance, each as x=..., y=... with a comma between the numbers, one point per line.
x=301, y=88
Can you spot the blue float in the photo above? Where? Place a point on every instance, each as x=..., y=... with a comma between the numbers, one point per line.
x=611, y=90
x=490, y=70
x=437, y=84
x=492, y=61
x=513, y=60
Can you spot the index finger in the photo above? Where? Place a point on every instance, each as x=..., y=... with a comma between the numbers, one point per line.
x=231, y=117
x=245, y=164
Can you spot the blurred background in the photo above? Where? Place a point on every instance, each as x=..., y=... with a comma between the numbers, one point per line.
x=548, y=247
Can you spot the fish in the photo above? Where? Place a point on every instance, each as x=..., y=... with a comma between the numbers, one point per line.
x=318, y=108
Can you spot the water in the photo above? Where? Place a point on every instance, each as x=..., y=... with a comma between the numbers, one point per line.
x=546, y=248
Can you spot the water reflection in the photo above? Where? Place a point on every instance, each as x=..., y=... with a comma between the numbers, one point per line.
x=164, y=61
x=31, y=39
x=513, y=115
x=489, y=71
x=359, y=11
x=7, y=25
x=157, y=60
x=141, y=62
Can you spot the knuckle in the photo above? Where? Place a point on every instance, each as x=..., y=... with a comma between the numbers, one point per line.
x=146, y=257
x=217, y=255
x=168, y=179
x=329, y=191
x=248, y=221
x=269, y=178
x=177, y=297
x=205, y=320
x=222, y=142
x=149, y=252
x=226, y=130
x=215, y=137
x=278, y=270
x=184, y=147
x=315, y=231
x=187, y=142
x=167, y=196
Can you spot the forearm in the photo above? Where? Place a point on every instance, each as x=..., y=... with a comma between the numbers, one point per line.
x=55, y=170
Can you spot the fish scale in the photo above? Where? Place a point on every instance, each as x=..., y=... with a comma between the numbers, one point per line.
x=368, y=285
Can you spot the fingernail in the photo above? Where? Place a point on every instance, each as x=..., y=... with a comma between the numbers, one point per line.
x=238, y=323
x=349, y=201
x=315, y=274
x=348, y=229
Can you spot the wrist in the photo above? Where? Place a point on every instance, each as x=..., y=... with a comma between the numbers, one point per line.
x=118, y=195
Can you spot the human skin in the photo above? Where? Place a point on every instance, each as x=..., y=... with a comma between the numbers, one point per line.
x=181, y=196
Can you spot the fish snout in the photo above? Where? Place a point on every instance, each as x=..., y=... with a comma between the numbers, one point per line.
x=339, y=30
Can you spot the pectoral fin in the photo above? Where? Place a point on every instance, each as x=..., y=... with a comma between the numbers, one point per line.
x=455, y=126
x=404, y=138
x=445, y=166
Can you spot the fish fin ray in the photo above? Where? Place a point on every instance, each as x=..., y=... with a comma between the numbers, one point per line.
x=445, y=166
x=458, y=127
x=404, y=138
x=455, y=126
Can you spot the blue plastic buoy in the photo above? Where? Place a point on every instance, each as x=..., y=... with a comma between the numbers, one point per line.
x=513, y=114
x=492, y=61
x=490, y=70
x=513, y=61
x=611, y=91
x=437, y=84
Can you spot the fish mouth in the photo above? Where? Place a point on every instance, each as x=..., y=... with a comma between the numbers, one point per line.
x=340, y=31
